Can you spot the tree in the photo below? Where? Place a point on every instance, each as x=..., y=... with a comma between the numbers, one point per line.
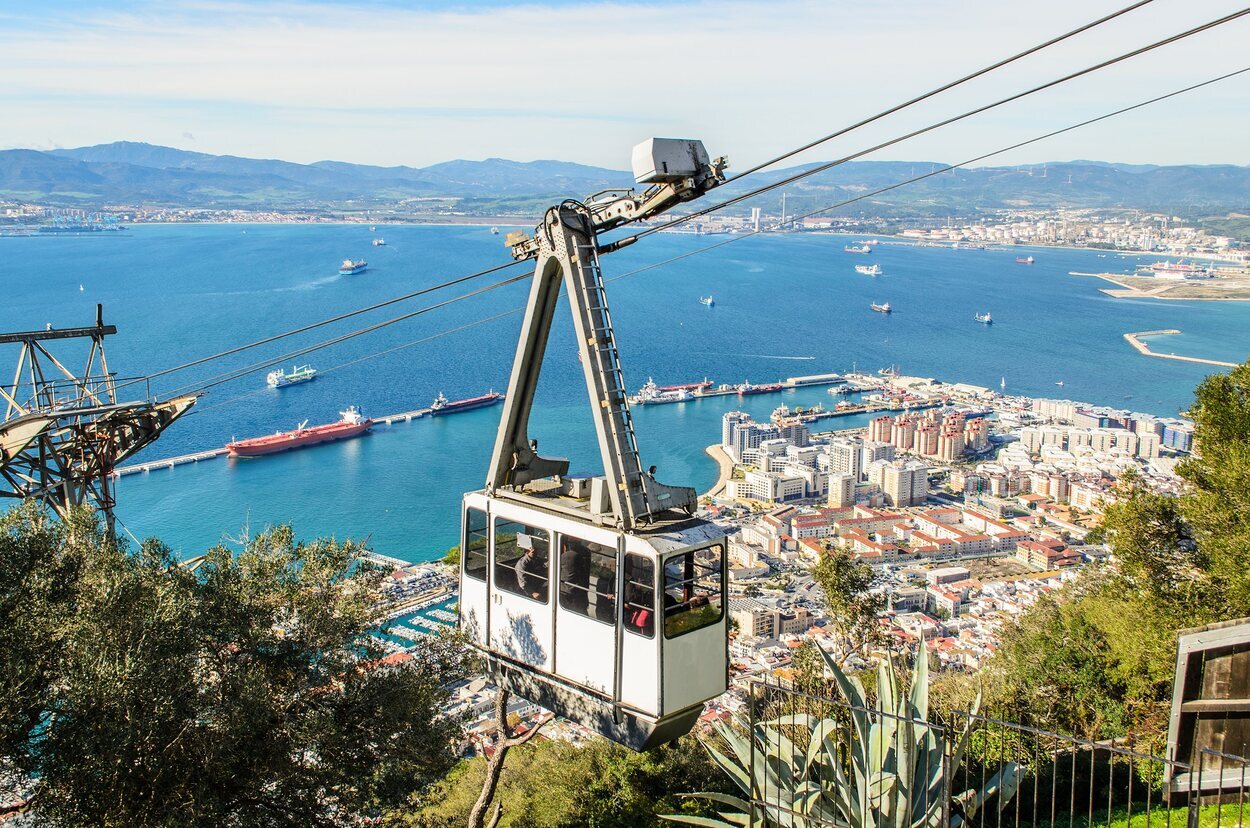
x=246, y=692
x=1100, y=660
x=852, y=608
x=557, y=784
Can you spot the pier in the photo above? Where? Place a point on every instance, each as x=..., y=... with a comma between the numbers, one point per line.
x=169, y=462
x=1135, y=339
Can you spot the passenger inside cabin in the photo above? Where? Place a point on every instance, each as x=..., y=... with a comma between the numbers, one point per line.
x=531, y=568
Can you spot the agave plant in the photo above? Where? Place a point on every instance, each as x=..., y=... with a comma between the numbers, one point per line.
x=878, y=766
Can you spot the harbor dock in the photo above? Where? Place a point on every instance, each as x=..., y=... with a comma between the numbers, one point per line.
x=1135, y=339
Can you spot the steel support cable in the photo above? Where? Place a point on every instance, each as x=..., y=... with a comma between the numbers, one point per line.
x=809, y=214
x=943, y=88
x=937, y=125
x=323, y=371
x=317, y=346
x=942, y=170
x=314, y=325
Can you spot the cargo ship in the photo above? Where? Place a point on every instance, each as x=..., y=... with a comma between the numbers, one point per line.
x=869, y=270
x=442, y=405
x=984, y=318
x=299, y=373
x=1024, y=260
x=652, y=394
x=882, y=308
x=747, y=389
x=351, y=424
x=351, y=268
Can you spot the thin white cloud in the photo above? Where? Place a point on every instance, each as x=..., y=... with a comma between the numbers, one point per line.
x=582, y=82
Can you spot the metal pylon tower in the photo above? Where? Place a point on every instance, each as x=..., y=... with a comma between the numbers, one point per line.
x=64, y=433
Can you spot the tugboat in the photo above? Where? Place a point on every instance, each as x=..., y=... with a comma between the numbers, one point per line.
x=882, y=308
x=299, y=373
x=351, y=268
x=984, y=318
x=869, y=270
x=351, y=424
x=707, y=300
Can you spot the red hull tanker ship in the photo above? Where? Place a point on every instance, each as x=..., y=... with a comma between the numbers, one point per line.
x=351, y=424
x=442, y=406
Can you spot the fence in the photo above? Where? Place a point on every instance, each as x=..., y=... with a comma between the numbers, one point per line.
x=814, y=762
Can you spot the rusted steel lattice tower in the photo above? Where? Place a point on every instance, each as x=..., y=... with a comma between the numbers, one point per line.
x=63, y=433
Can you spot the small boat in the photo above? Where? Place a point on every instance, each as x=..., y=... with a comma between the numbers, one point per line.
x=494, y=231
x=1058, y=382
x=299, y=373
x=869, y=270
x=81, y=288
x=857, y=248
x=1024, y=260
x=707, y=300
x=882, y=308
x=351, y=268
x=372, y=228
x=984, y=318
x=1002, y=383
x=379, y=242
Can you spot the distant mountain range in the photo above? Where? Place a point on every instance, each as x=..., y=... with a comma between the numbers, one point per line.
x=138, y=174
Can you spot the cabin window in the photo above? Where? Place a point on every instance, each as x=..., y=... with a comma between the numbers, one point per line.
x=522, y=559
x=475, y=549
x=692, y=590
x=588, y=579
x=640, y=595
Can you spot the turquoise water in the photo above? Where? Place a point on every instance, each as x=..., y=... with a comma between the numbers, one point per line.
x=785, y=306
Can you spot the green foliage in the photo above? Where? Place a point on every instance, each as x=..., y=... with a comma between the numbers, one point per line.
x=452, y=557
x=852, y=609
x=873, y=765
x=1099, y=661
x=245, y=692
x=560, y=785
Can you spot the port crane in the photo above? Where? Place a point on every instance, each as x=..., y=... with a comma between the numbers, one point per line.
x=600, y=598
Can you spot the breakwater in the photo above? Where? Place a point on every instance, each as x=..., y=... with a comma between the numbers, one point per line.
x=1135, y=339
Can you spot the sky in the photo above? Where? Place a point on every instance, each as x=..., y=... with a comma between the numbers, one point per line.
x=417, y=83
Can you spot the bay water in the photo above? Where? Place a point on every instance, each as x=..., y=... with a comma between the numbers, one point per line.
x=785, y=305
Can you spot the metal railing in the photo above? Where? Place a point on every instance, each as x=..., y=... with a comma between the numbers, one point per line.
x=815, y=762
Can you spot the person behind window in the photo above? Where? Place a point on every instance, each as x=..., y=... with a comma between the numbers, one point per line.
x=531, y=569
x=574, y=575
x=605, y=598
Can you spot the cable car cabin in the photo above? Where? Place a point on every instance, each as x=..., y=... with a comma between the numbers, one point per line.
x=601, y=599
x=624, y=633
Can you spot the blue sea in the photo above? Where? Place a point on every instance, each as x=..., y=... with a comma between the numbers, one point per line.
x=785, y=306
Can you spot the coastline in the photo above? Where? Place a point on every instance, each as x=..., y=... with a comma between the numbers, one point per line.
x=725, y=469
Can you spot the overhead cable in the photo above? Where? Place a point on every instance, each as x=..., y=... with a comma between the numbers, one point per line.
x=939, y=124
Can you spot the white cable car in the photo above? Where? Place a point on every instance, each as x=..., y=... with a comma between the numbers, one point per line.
x=600, y=598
